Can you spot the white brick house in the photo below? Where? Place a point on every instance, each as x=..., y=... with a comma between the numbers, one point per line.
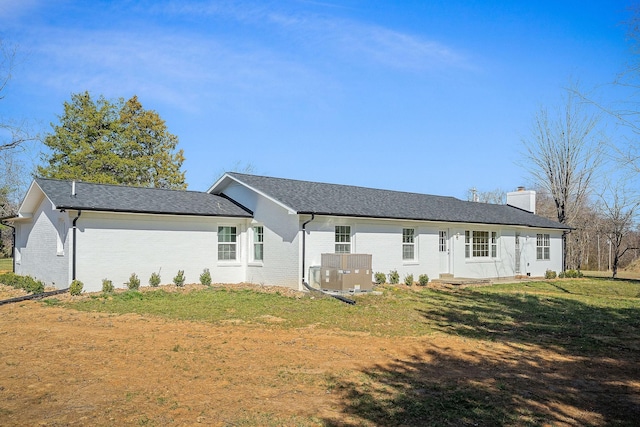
x=249, y=228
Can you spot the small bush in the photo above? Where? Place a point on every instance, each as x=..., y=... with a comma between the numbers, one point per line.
x=31, y=285
x=205, y=277
x=107, y=286
x=423, y=280
x=134, y=282
x=408, y=280
x=76, y=287
x=549, y=274
x=179, y=279
x=571, y=274
x=380, y=278
x=394, y=277
x=154, y=280
x=27, y=283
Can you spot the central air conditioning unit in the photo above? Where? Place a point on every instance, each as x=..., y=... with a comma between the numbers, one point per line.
x=346, y=272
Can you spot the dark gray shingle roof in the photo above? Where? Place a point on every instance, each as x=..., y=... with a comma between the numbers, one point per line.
x=346, y=200
x=117, y=198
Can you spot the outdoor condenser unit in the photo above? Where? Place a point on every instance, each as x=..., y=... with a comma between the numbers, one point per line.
x=345, y=272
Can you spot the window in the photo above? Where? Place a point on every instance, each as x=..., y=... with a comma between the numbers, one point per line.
x=61, y=236
x=480, y=244
x=343, y=239
x=442, y=245
x=227, y=243
x=408, y=244
x=258, y=243
x=467, y=244
x=494, y=244
x=542, y=246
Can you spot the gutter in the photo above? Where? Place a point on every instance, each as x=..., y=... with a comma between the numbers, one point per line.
x=304, y=282
x=73, y=268
x=304, y=244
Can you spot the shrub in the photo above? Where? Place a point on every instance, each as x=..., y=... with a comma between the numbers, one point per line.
x=179, y=279
x=205, y=277
x=134, y=282
x=380, y=278
x=107, y=286
x=423, y=280
x=27, y=283
x=154, y=280
x=549, y=274
x=571, y=274
x=394, y=277
x=408, y=280
x=76, y=287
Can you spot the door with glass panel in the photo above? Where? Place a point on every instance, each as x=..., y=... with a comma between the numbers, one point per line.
x=443, y=251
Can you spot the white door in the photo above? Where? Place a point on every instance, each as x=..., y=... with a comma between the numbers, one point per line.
x=443, y=250
x=517, y=266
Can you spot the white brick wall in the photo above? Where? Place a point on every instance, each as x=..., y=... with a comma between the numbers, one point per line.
x=37, y=252
x=112, y=246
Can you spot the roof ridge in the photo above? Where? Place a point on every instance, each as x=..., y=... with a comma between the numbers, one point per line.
x=344, y=185
x=137, y=187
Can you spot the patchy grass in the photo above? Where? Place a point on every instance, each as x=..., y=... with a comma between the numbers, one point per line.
x=6, y=264
x=568, y=313
x=556, y=352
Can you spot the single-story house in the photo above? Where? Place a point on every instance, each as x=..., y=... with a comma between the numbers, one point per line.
x=271, y=231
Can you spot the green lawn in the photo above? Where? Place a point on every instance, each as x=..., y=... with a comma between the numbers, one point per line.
x=6, y=264
x=561, y=312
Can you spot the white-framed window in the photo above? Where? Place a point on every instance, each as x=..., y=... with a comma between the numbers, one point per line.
x=467, y=244
x=442, y=241
x=494, y=244
x=408, y=244
x=258, y=243
x=61, y=236
x=227, y=243
x=480, y=244
x=543, y=247
x=343, y=239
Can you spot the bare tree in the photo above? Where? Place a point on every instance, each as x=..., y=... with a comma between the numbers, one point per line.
x=619, y=209
x=12, y=133
x=497, y=196
x=564, y=154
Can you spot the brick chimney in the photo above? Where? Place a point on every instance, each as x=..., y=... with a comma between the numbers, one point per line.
x=523, y=199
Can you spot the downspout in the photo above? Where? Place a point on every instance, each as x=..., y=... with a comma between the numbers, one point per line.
x=304, y=244
x=304, y=282
x=73, y=266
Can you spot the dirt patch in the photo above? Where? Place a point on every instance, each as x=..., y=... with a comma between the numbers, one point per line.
x=64, y=367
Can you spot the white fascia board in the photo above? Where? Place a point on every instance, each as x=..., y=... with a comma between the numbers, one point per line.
x=32, y=200
x=226, y=177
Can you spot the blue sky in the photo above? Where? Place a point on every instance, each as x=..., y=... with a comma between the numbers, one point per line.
x=425, y=96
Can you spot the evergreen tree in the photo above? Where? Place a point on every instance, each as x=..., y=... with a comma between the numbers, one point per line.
x=112, y=143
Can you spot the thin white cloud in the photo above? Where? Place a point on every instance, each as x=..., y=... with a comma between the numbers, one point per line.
x=345, y=37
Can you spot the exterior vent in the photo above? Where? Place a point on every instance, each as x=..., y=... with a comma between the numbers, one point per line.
x=346, y=272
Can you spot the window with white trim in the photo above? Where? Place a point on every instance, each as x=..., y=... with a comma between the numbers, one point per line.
x=61, y=236
x=227, y=243
x=480, y=244
x=442, y=242
x=258, y=243
x=343, y=239
x=408, y=244
x=494, y=244
x=543, y=247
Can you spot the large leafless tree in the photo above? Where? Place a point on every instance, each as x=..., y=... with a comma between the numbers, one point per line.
x=619, y=209
x=563, y=154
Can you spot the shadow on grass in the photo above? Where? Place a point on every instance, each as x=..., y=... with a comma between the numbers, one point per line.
x=527, y=360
